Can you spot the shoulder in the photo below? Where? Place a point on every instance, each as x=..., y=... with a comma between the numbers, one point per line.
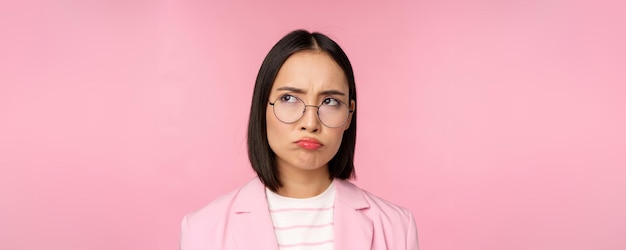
x=394, y=225
x=210, y=213
x=205, y=225
x=361, y=198
x=388, y=207
x=244, y=196
x=209, y=217
x=374, y=206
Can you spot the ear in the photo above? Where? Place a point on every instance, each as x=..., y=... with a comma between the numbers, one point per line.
x=352, y=107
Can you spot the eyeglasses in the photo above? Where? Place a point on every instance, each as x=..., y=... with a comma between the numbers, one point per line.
x=332, y=113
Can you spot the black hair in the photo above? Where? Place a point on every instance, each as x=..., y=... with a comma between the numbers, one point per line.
x=262, y=158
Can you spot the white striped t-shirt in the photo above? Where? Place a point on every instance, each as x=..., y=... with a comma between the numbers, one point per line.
x=303, y=224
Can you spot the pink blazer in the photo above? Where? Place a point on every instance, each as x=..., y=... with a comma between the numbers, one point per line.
x=241, y=220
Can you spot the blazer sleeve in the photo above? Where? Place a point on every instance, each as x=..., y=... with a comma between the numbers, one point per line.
x=411, y=236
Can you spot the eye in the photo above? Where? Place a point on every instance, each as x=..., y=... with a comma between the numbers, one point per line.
x=288, y=98
x=331, y=101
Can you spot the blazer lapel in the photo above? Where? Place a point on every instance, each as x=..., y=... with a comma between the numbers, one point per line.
x=252, y=221
x=353, y=230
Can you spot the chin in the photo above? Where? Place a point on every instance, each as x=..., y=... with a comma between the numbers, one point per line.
x=309, y=166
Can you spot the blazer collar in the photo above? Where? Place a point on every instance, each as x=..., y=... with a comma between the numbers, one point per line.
x=251, y=198
x=253, y=223
x=353, y=229
x=350, y=195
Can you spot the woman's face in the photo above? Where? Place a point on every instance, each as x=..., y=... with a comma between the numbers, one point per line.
x=307, y=144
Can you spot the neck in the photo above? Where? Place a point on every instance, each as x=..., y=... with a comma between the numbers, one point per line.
x=304, y=183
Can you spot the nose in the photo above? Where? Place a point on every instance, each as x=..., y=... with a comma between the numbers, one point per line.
x=310, y=121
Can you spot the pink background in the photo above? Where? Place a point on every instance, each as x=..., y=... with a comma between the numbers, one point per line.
x=500, y=124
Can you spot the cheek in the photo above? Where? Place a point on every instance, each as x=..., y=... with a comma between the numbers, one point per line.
x=338, y=136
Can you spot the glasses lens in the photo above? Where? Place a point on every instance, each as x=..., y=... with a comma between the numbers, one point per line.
x=288, y=109
x=333, y=113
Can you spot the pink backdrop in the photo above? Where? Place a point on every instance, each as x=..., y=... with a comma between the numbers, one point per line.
x=500, y=124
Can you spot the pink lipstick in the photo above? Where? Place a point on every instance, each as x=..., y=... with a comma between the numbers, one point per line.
x=309, y=143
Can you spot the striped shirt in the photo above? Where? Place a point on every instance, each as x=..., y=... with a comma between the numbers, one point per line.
x=303, y=224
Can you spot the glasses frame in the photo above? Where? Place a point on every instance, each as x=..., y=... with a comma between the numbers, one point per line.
x=350, y=111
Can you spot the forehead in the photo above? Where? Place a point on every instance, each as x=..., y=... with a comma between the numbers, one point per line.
x=311, y=71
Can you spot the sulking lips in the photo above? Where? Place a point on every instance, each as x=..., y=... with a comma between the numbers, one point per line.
x=309, y=143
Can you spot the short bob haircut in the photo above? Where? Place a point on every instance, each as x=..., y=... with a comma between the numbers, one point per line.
x=261, y=156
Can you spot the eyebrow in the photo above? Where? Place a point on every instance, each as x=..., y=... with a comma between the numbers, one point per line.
x=300, y=91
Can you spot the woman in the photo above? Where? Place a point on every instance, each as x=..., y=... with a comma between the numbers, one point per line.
x=301, y=140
